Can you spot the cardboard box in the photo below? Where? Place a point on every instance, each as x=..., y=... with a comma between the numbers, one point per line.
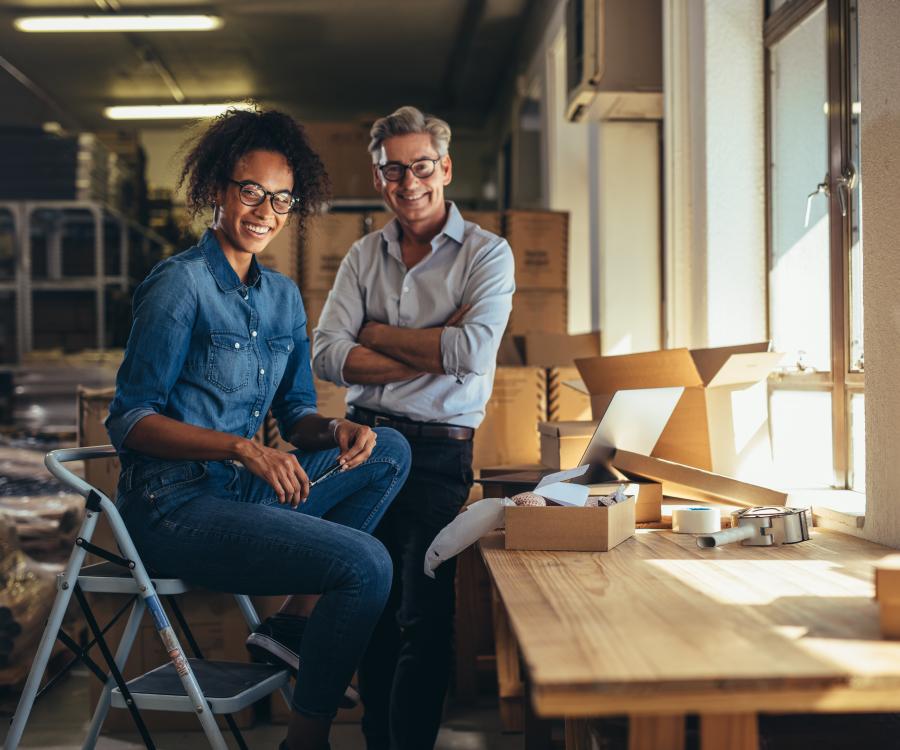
x=325, y=242
x=219, y=630
x=375, y=221
x=697, y=485
x=539, y=310
x=492, y=221
x=648, y=497
x=93, y=408
x=887, y=579
x=281, y=254
x=508, y=434
x=564, y=403
x=540, y=245
x=721, y=422
x=570, y=529
x=343, y=149
x=564, y=443
x=313, y=303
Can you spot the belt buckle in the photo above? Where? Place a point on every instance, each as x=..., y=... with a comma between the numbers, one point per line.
x=380, y=420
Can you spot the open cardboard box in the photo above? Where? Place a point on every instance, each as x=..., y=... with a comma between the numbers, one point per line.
x=721, y=421
x=634, y=419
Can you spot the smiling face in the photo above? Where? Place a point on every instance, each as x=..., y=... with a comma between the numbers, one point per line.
x=418, y=202
x=243, y=230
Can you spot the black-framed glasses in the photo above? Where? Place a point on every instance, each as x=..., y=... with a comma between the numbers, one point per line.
x=253, y=194
x=394, y=171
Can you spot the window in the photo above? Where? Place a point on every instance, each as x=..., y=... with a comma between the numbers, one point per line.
x=814, y=245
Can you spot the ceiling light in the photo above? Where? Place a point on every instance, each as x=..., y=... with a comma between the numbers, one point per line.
x=172, y=111
x=117, y=22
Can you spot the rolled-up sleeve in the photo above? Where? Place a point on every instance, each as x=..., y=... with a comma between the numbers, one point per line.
x=296, y=394
x=341, y=318
x=165, y=308
x=471, y=348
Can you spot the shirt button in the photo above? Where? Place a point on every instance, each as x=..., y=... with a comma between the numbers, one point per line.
x=253, y=333
x=262, y=371
x=245, y=295
x=256, y=414
x=406, y=289
x=237, y=345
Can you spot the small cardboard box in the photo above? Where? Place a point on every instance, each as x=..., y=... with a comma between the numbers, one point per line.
x=325, y=243
x=721, y=421
x=492, y=221
x=569, y=526
x=508, y=434
x=540, y=245
x=564, y=443
x=539, y=310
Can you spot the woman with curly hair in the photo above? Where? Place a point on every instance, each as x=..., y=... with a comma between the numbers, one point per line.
x=217, y=340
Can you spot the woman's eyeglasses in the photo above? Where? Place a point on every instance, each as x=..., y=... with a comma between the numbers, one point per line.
x=252, y=194
x=395, y=171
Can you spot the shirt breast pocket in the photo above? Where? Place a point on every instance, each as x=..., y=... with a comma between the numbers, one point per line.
x=228, y=361
x=280, y=347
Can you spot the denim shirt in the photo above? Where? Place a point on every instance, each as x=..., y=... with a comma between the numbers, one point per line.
x=210, y=351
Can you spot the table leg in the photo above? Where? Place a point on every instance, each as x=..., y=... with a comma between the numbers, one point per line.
x=578, y=734
x=509, y=676
x=734, y=731
x=658, y=733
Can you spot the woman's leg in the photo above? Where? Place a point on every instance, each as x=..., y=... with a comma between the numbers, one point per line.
x=227, y=545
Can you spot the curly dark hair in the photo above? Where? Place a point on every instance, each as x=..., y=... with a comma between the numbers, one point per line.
x=212, y=155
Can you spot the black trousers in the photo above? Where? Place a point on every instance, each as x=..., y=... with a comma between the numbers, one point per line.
x=404, y=674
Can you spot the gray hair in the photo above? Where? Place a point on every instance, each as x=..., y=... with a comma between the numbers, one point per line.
x=410, y=120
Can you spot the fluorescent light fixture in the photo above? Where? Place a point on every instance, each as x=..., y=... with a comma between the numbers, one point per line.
x=117, y=22
x=172, y=111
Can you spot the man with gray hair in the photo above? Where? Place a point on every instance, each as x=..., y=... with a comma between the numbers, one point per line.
x=412, y=326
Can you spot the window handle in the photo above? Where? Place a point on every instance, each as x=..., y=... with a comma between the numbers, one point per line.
x=821, y=189
x=845, y=184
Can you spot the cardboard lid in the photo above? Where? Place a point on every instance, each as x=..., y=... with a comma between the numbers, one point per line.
x=558, y=349
x=573, y=428
x=662, y=369
x=733, y=365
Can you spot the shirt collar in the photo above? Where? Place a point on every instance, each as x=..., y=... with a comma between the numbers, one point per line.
x=454, y=227
x=221, y=269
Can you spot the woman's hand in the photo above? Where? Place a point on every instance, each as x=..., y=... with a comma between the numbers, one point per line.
x=281, y=470
x=356, y=441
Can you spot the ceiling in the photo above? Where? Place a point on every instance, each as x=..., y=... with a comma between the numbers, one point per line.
x=319, y=59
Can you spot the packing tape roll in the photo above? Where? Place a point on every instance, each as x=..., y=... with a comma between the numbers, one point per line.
x=696, y=520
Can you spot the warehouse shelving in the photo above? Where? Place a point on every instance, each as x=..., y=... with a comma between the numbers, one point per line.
x=102, y=269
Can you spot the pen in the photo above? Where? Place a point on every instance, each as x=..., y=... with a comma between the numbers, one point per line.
x=337, y=466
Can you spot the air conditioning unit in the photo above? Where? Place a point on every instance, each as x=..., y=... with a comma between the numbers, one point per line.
x=614, y=59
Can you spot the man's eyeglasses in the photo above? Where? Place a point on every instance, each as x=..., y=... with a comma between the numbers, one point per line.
x=395, y=171
x=252, y=194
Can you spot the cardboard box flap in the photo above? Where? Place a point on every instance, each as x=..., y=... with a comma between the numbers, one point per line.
x=662, y=369
x=577, y=385
x=711, y=362
x=563, y=493
x=543, y=349
x=562, y=476
x=746, y=368
x=567, y=429
x=697, y=485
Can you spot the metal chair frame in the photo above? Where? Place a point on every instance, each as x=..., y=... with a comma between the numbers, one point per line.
x=146, y=591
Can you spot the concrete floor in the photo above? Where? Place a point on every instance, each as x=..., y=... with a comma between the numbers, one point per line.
x=60, y=720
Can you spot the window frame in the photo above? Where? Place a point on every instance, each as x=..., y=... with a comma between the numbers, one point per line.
x=841, y=382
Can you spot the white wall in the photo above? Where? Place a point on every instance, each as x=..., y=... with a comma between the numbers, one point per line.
x=879, y=75
x=715, y=182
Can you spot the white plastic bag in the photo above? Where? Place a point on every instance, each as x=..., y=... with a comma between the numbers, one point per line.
x=468, y=527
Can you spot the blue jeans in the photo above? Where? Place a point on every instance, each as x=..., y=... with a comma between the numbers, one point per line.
x=218, y=526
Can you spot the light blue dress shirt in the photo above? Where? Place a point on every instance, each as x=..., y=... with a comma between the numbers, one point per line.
x=467, y=266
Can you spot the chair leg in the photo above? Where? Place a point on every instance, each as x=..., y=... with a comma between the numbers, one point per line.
x=122, y=652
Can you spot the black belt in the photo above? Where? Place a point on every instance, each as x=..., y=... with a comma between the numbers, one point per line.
x=408, y=427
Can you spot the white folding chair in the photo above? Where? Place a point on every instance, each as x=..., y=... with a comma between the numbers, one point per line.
x=184, y=684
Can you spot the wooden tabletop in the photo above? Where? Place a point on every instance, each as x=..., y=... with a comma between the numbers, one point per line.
x=658, y=625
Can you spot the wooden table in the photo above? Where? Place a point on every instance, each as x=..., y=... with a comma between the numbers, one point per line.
x=658, y=628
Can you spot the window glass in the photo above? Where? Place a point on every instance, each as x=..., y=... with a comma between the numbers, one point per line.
x=801, y=438
x=799, y=280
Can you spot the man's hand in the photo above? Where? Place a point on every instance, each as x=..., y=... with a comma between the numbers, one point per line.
x=368, y=333
x=356, y=441
x=280, y=470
